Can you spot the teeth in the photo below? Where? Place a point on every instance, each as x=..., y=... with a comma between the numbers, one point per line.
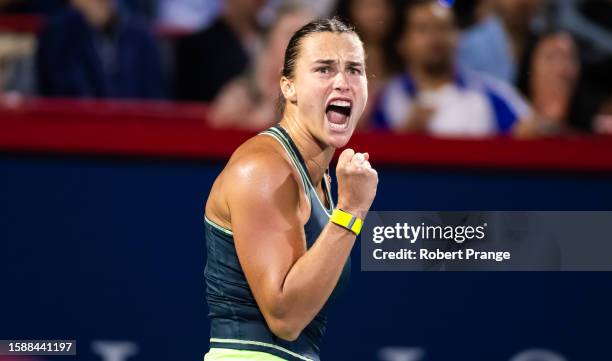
x=339, y=126
x=341, y=103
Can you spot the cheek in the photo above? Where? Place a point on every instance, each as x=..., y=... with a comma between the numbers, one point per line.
x=312, y=94
x=360, y=86
x=421, y=46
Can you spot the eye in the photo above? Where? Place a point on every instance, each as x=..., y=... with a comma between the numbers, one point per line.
x=323, y=70
x=355, y=71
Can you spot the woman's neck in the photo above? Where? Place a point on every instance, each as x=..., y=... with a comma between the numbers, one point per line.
x=316, y=156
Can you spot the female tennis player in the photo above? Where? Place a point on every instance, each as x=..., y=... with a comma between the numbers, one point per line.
x=278, y=247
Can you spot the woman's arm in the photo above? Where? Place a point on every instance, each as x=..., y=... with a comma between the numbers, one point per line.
x=290, y=284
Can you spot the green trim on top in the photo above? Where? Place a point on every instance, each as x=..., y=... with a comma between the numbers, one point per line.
x=218, y=227
x=303, y=172
x=258, y=343
x=295, y=161
x=227, y=354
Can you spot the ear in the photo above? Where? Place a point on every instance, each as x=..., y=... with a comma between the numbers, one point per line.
x=288, y=89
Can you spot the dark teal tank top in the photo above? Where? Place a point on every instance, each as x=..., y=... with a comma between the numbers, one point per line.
x=235, y=320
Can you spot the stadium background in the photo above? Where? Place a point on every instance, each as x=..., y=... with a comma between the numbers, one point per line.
x=101, y=236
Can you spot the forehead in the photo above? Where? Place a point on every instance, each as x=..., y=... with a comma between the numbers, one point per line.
x=558, y=43
x=331, y=46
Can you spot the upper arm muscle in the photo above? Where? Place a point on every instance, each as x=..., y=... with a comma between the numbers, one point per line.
x=265, y=220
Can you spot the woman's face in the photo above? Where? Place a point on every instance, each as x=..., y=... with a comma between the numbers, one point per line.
x=330, y=86
x=555, y=62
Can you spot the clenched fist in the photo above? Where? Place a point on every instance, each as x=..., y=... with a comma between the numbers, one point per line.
x=357, y=182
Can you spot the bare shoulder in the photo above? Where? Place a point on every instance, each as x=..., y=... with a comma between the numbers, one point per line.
x=259, y=157
x=257, y=171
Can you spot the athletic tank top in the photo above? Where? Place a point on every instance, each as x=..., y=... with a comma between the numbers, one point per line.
x=235, y=320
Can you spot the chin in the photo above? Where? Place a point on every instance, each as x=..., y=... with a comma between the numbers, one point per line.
x=338, y=142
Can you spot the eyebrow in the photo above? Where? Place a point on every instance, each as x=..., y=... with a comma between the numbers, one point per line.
x=331, y=62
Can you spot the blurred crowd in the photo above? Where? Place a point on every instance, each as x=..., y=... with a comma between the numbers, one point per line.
x=470, y=68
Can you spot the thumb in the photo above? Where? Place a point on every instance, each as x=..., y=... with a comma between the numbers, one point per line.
x=346, y=156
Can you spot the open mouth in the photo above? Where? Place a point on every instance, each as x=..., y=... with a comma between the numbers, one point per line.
x=338, y=113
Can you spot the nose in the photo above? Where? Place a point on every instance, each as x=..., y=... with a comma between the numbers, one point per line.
x=341, y=82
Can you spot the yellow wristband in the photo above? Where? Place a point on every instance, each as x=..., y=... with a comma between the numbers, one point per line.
x=346, y=220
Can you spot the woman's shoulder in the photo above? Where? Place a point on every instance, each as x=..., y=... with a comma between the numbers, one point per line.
x=260, y=151
x=258, y=162
x=258, y=172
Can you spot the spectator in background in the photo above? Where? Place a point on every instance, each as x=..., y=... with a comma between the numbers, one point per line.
x=146, y=9
x=500, y=45
x=209, y=59
x=189, y=15
x=250, y=100
x=16, y=63
x=433, y=95
x=590, y=23
x=602, y=124
x=374, y=21
x=554, y=73
x=468, y=13
x=92, y=50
